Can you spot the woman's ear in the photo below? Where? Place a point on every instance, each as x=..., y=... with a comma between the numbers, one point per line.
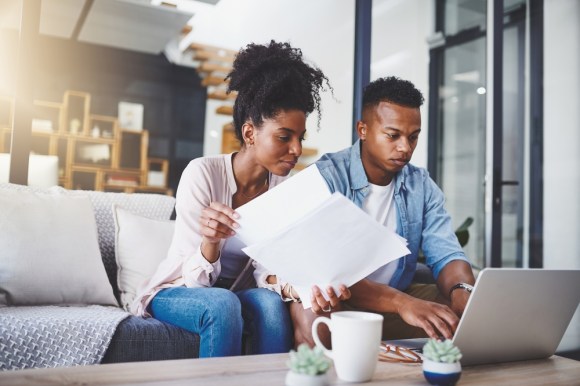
x=248, y=131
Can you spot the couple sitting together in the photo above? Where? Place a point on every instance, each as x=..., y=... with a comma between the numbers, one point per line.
x=205, y=284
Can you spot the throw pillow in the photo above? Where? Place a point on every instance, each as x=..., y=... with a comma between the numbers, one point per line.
x=49, y=253
x=141, y=244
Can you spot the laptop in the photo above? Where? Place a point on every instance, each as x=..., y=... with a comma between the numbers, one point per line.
x=515, y=314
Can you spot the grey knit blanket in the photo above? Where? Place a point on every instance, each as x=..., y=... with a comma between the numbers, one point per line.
x=53, y=336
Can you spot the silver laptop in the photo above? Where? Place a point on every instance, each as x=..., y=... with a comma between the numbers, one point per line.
x=515, y=314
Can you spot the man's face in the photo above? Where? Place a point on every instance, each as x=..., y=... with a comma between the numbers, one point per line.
x=389, y=134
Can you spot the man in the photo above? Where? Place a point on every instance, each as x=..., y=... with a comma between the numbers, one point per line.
x=376, y=175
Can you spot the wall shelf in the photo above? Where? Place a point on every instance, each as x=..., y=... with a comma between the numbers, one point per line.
x=93, y=152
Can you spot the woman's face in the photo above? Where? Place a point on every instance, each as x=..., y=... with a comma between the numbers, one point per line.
x=278, y=142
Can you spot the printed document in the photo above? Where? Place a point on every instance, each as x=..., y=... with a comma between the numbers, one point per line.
x=308, y=236
x=282, y=206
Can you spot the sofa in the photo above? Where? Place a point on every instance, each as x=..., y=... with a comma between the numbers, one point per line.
x=133, y=232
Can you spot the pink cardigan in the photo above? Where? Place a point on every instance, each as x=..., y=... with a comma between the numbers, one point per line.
x=203, y=181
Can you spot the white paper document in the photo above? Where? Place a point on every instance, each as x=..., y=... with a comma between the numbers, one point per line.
x=278, y=208
x=334, y=243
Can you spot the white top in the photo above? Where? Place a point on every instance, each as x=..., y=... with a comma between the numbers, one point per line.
x=380, y=205
x=203, y=181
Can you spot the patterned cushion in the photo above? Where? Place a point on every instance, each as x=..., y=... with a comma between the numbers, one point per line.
x=154, y=206
x=141, y=244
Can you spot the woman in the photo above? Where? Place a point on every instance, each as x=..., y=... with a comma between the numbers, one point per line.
x=200, y=285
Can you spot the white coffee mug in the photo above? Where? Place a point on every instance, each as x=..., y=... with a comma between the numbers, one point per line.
x=356, y=339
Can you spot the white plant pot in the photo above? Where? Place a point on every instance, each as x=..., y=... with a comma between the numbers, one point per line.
x=295, y=379
x=443, y=374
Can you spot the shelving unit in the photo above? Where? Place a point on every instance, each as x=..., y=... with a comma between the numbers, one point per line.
x=94, y=152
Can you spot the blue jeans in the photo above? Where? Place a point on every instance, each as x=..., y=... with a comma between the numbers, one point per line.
x=219, y=317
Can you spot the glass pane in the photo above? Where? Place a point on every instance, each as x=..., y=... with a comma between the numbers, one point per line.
x=511, y=4
x=462, y=147
x=513, y=146
x=464, y=14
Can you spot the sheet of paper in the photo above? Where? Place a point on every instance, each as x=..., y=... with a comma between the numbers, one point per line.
x=268, y=214
x=336, y=243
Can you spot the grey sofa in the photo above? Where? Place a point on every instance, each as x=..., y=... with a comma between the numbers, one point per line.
x=135, y=338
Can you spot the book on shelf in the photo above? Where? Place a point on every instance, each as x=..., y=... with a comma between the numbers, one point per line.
x=42, y=125
x=122, y=180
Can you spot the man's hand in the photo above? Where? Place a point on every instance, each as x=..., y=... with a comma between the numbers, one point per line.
x=435, y=319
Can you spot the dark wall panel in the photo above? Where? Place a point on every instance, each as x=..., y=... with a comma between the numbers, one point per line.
x=173, y=98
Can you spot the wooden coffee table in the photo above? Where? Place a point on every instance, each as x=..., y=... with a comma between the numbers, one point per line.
x=271, y=370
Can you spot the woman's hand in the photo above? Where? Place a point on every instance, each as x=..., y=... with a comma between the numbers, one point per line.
x=320, y=305
x=217, y=222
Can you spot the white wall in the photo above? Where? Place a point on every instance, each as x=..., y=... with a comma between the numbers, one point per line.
x=212, y=140
x=323, y=29
x=561, y=142
x=562, y=134
x=399, y=47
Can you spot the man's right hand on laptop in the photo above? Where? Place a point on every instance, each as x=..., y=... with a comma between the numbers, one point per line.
x=437, y=320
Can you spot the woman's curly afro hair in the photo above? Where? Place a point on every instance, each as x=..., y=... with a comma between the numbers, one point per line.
x=394, y=90
x=270, y=78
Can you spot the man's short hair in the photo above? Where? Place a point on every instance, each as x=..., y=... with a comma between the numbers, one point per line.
x=394, y=90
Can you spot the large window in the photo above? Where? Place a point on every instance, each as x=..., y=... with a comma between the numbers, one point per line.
x=461, y=160
x=458, y=123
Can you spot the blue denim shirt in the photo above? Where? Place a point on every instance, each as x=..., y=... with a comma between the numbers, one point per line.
x=421, y=216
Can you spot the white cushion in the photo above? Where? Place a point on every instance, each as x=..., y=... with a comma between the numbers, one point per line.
x=49, y=253
x=141, y=244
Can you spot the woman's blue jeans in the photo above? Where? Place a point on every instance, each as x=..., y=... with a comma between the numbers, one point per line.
x=219, y=316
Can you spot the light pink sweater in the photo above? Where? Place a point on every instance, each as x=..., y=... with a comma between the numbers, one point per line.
x=203, y=181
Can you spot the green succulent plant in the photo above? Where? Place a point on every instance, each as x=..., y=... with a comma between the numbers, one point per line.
x=443, y=351
x=308, y=361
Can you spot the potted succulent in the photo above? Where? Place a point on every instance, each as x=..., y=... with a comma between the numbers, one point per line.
x=441, y=364
x=308, y=367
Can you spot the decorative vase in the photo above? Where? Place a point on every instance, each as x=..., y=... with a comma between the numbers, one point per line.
x=441, y=374
x=296, y=379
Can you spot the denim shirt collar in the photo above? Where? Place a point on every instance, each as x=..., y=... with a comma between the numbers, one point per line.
x=358, y=175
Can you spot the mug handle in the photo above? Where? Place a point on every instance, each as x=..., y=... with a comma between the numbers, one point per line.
x=317, y=321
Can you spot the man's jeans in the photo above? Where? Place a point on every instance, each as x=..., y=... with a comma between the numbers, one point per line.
x=219, y=316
